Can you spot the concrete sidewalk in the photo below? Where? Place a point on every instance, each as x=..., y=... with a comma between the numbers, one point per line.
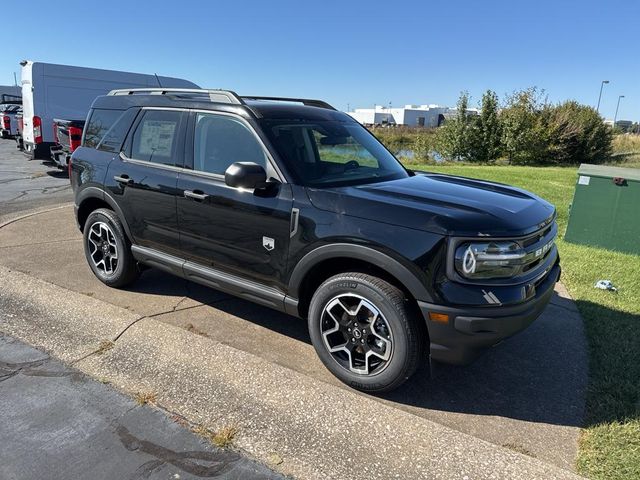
x=57, y=423
x=315, y=430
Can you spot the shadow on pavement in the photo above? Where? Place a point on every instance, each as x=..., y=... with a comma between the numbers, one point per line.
x=538, y=375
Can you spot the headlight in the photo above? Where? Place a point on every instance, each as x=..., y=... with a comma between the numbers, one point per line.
x=476, y=260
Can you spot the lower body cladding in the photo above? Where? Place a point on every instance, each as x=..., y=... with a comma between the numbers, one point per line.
x=228, y=283
x=459, y=335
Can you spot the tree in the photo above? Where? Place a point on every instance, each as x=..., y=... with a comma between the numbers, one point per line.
x=455, y=137
x=524, y=136
x=488, y=142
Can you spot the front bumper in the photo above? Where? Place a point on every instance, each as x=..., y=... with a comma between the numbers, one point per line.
x=471, y=330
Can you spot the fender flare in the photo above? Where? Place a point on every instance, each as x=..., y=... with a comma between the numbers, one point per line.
x=370, y=255
x=97, y=193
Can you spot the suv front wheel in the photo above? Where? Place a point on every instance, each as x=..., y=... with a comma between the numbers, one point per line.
x=107, y=249
x=365, y=332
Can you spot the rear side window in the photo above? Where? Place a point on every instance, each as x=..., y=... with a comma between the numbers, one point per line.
x=220, y=141
x=99, y=123
x=156, y=137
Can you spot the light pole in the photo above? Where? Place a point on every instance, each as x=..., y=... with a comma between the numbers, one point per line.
x=600, y=96
x=615, y=117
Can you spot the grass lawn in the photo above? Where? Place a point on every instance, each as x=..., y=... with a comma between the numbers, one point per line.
x=610, y=442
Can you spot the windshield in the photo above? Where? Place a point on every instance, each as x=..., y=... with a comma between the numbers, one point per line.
x=331, y=153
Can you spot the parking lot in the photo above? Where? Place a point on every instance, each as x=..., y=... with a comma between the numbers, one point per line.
x=525, y=395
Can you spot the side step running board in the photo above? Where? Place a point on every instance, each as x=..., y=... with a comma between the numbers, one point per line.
x=211, y=277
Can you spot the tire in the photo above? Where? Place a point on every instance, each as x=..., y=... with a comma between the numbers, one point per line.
x=105, y=239
x=346, y=303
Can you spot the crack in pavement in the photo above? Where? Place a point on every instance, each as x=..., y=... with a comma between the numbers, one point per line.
x=199, y=463
x=30, y=368
x=43, y=191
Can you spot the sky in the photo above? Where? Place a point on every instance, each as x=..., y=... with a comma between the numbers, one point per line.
x=350, y=52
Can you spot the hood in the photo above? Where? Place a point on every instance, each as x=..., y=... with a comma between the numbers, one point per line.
x=441, y=204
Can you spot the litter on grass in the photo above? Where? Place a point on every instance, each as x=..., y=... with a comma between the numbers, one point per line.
x=605, y=285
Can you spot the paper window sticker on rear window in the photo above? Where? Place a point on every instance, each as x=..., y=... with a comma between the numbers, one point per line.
x=156, y=137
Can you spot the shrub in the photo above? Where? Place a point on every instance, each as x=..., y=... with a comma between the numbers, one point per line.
x=576, y=134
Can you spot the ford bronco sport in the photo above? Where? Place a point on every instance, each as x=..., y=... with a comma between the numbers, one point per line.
x=291, y=204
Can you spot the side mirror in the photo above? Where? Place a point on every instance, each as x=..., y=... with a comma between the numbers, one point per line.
x=247, y=175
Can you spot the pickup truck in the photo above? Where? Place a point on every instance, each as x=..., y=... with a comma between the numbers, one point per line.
x=8, y=121
x=68, y=136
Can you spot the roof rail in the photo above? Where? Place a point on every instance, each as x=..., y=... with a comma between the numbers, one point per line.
x=217, y=96
x=305, y=101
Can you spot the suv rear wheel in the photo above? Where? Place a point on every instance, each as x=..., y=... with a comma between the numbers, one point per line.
x=108, y=250
x=365, y=332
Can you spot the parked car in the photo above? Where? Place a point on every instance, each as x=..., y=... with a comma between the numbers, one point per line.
x=291, y=204
x=61, y=91
x=9, y=125
x=67, y=136
x=18, y=137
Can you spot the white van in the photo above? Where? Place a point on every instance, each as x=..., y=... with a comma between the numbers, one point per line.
x=61, y=91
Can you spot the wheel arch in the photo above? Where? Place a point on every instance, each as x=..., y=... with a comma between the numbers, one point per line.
x=92, y=198
x=328, y=260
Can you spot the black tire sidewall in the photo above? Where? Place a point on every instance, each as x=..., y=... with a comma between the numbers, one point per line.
x=121, y=244
x=395, y=372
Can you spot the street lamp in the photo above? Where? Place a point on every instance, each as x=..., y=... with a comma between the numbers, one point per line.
x=615, y=117
x=600, y=96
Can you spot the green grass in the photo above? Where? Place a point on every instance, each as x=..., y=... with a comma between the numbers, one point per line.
x=610, y=442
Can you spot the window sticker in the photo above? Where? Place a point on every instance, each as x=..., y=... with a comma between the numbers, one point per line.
x=156, y=137
x=584, y=180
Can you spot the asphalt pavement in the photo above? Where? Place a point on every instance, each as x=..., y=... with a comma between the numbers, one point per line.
x=58, y=423
x=28, y=184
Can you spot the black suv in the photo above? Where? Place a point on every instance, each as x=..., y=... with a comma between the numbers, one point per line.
x=294, y=205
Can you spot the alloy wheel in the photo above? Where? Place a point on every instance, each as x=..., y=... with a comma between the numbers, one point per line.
x=356, y=334
x=103, y=248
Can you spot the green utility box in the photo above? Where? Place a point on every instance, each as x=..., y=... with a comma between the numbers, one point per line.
x=606, y=208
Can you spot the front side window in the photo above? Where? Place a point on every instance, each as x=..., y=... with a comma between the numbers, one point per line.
x=155, y=137
x=100, y=122
x=331, y=153
x=220, y=140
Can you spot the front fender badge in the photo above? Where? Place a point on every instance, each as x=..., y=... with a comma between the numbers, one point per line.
x=268, y=243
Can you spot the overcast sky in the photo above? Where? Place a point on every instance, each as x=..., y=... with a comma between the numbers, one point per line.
x=347, y=52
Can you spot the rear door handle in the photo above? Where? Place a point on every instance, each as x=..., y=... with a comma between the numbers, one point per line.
x=195, y=195
x=123, y=179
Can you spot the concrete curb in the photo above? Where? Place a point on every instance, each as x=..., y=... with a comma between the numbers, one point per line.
x=317, y=430
x=30, y=213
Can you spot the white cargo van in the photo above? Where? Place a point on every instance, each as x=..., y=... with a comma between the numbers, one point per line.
x=61, y=91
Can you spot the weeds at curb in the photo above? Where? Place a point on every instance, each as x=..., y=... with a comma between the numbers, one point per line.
x=145, y=397
x=223, y=438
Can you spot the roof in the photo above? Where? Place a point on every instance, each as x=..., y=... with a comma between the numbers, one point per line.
x=606, y=171
x=220, y=100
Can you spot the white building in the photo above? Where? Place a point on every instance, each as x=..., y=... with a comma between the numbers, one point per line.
x=429, y=116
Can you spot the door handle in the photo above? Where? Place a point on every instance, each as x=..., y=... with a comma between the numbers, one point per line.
x=195, y=195
x=123, y=179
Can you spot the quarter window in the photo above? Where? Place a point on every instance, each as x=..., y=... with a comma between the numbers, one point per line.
x=156, y=137
x=220, y=141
